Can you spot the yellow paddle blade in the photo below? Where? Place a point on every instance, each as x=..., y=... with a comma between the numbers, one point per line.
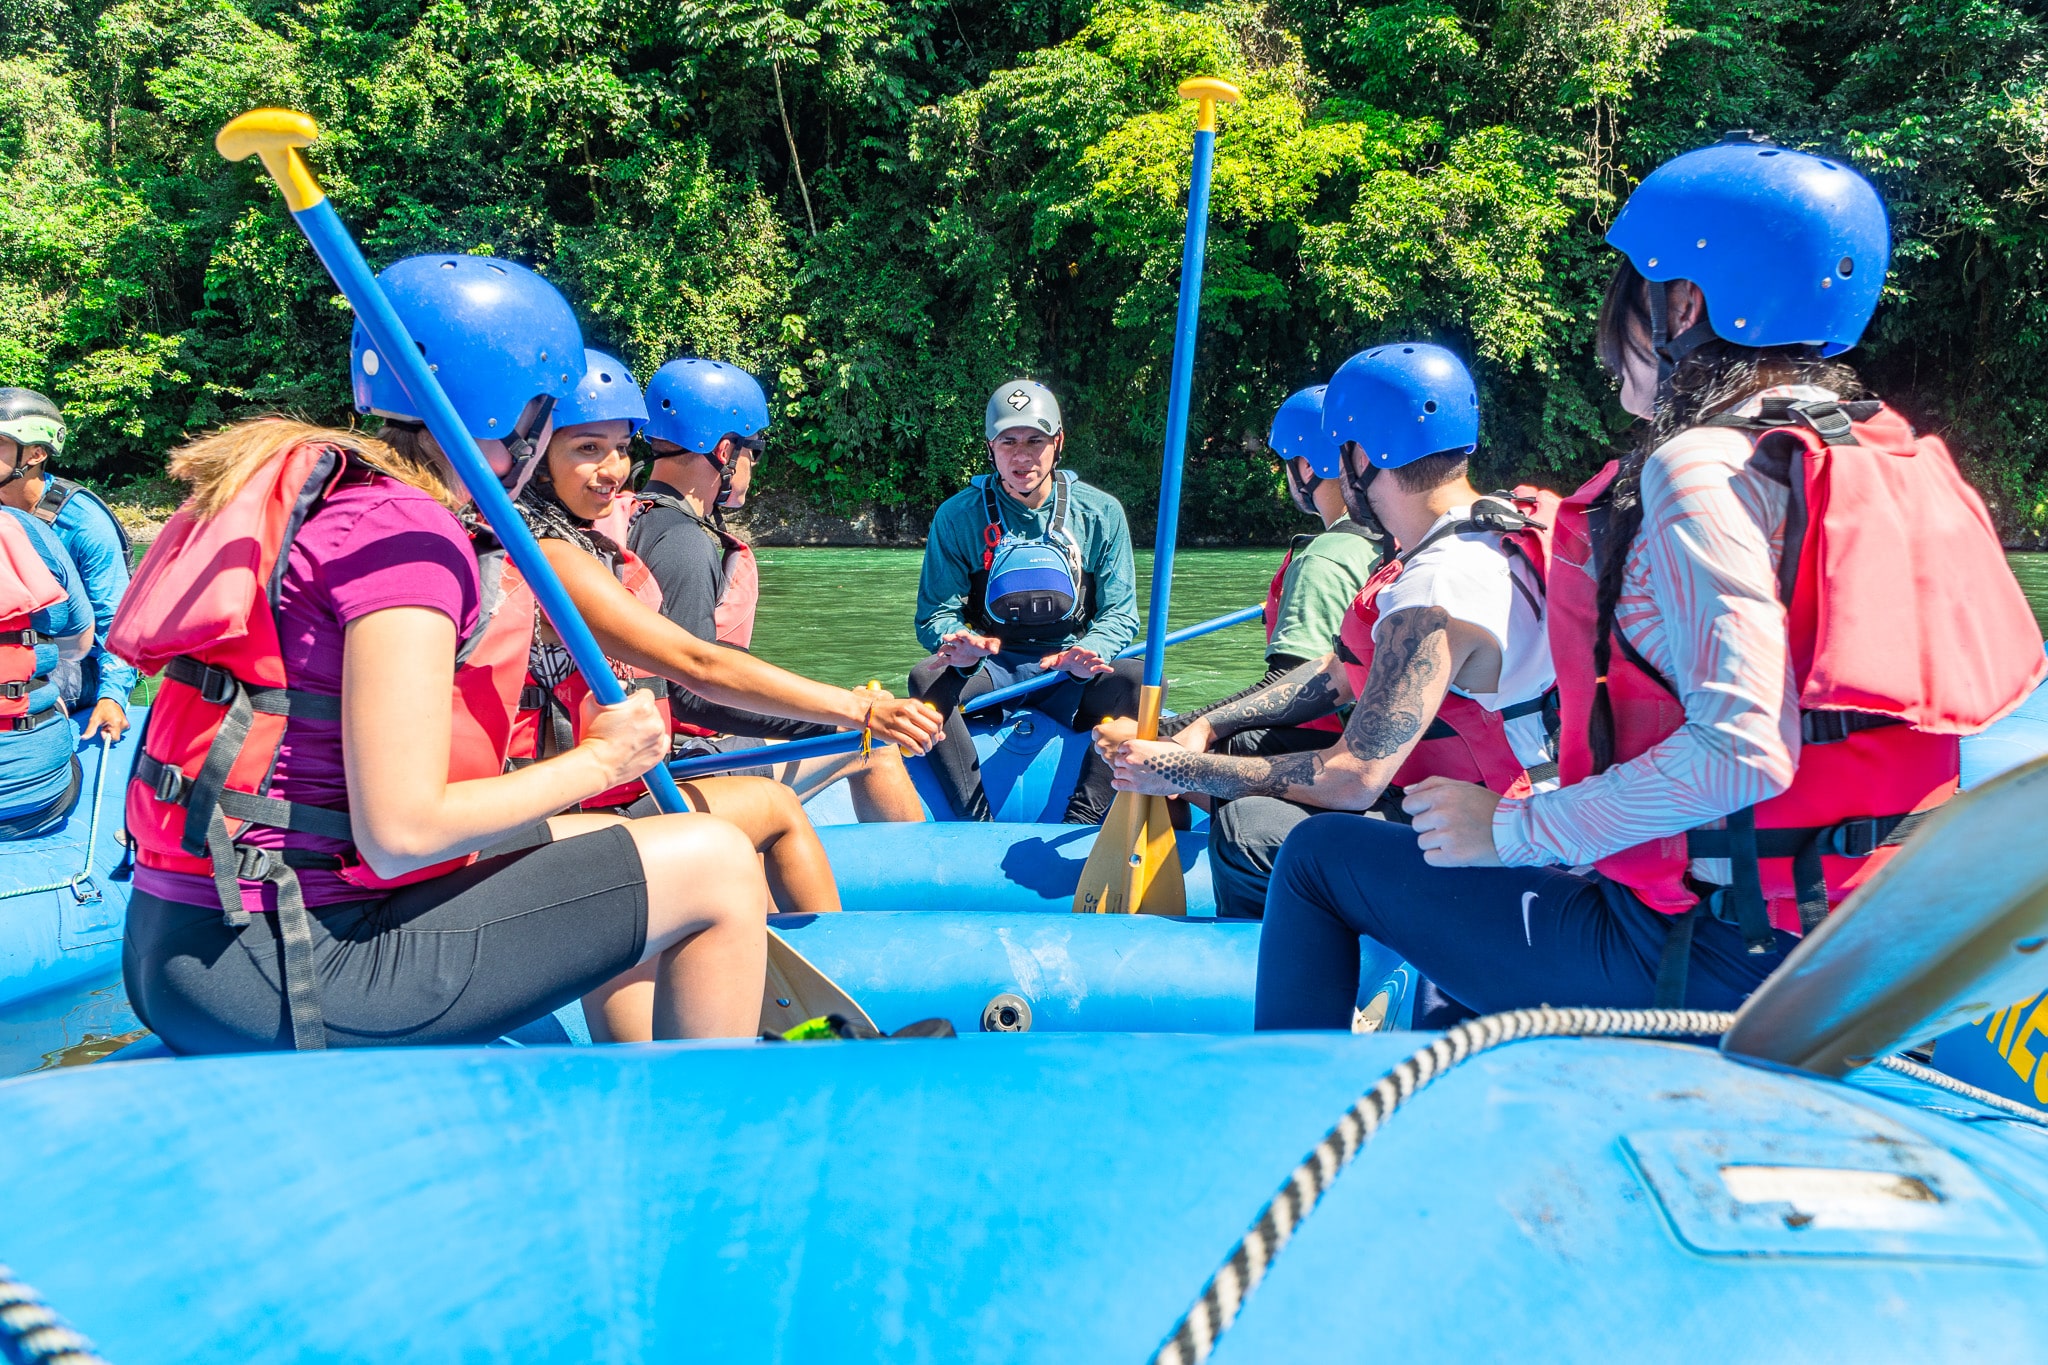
x=1134, y=867
x=796, y=991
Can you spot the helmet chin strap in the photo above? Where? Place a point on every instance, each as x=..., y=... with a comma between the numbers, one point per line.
x=1358, y=503
x=1303, y=492
x=23, y=465
x=1671, y=351
x=524, y=446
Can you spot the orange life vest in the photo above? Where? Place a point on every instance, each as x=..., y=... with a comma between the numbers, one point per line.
x=550, y=719
x=739, y=592
x=1906, y=630
x=1465, y=742
x=202, y=608
x=26, y=587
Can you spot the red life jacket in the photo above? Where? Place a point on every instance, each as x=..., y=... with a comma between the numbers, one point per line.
x=26, y=587
x=1465, y=742
x=739, y=592
x=550, y=719
x=1906, y=630
x=1278, y=589
x=202, y=608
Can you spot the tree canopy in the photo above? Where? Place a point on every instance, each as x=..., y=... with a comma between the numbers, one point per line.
x=885, y=207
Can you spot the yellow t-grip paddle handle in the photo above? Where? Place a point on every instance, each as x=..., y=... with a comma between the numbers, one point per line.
x=1207, y=92
x=276, y=135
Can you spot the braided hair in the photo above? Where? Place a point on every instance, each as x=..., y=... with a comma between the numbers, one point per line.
x=1711, y=378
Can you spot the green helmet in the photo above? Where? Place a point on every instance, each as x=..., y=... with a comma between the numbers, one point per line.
x=31, y=419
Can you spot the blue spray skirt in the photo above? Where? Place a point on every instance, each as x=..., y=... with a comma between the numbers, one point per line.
x=1024, y=1199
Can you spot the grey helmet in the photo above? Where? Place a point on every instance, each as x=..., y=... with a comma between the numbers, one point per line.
x=32, y=420
x=1021, y=403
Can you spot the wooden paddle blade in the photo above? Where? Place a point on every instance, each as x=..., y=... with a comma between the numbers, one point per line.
x=1134, y=867
x=796, y=991
x=1164, y=891
x=1104, y=875
x=1951, y=928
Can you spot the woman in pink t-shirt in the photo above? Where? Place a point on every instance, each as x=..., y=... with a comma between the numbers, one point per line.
x=375, y=590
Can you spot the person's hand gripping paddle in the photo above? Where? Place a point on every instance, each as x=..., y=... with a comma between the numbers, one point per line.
x=276, y=135
x=1135, y=865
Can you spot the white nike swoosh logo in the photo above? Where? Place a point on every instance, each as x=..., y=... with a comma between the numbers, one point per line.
x=1527, y=937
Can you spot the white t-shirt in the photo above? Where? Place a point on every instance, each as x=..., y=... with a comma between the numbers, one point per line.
x=1469, y=577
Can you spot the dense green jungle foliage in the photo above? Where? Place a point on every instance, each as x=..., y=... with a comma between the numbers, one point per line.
x=888, y=206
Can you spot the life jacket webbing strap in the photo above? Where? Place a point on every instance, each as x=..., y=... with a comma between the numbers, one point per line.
x=1805, y=846
x=56, y=492
x=1833, y=727
x=174, y=788
x=231, y=863
x=992, y=515
x=219, y=687
x=1674, y=965
x=35, y=720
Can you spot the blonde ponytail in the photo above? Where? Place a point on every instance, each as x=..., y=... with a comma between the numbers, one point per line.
x=220, y=463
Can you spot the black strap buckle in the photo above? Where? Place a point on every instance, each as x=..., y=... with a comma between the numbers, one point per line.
x=1854, y=838
x=171, y=785
x=254, y=864
x=19, y=724
x=218, y=687
x=533, y=698
x=24, y=638
x=15, y=691
x=1827, y=419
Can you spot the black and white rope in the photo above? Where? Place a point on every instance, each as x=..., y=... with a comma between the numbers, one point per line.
x=1929, y=1076
x=1195, y=1335
x=32, y=1333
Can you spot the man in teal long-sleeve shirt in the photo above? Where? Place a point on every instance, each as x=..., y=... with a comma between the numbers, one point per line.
x=1026, y=570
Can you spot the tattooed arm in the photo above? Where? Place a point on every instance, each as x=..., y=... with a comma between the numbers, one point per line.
x=1419, y=651
x=1306, y=692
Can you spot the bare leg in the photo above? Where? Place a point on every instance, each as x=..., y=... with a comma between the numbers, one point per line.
x=702, y=971
x=878, y=782
x=799, y=874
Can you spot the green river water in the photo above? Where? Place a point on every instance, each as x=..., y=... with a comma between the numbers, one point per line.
x=845, y=615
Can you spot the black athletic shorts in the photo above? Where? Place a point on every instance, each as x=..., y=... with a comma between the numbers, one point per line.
x=460, y=959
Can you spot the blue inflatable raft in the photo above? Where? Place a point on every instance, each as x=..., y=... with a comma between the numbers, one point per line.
x=1054, y=1199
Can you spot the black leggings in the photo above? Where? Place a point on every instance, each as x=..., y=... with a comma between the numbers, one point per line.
x=459, y=959
x=1075, y=704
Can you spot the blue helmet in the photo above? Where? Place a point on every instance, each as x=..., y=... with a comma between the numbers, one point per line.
x=1402, y=402
x=497, y=335
x=1298, y=434
x=1787, y=248
x=697, y=403
x=606, y=393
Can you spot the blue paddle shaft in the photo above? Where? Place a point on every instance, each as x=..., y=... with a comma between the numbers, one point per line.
x=1177, y=406
x=817, y=746
x=337, y=251
x=1045, y=680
